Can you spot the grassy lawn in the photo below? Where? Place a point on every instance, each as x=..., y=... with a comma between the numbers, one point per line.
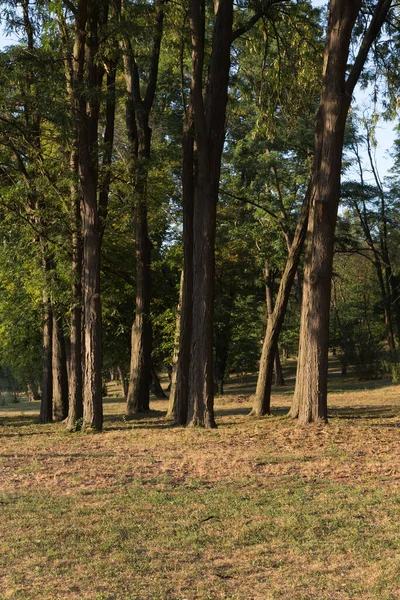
x=257, y=509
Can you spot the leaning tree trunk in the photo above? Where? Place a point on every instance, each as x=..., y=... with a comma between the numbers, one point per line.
x=310, y=400
x=262, y=399
x=279, y=380
x=33, y=391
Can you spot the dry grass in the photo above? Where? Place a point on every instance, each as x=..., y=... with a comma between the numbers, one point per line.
x=257, y=509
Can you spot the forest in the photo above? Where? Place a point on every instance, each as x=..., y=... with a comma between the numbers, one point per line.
x=198, y=230
x=161, y=167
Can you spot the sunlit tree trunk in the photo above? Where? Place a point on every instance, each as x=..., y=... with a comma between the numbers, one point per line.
x=310, y=400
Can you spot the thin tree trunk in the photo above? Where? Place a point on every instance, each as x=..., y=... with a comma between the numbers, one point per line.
x=74, y=72
x=178, y=402
x=122, y=379
x=46, y=407
x=59, y=367
x=279, y=378
x=75, y=387
x=138, y=111
x=156, y=386
x=269, y=293
x=262, y=399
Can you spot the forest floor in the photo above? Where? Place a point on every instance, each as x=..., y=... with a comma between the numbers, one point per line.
x=256, y=509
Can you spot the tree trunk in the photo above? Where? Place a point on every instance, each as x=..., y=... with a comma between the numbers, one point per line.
x=122, y=379
x=209, y=122
x=59, y=367
x=75, y=388
x=156, y=386
x=269, y=293
x=33, y=391
x=138, y=111
x=46, y=407
x=262, y=399
x=140, y=370
x=279, y=378
x=310, y=400
x=178, y=400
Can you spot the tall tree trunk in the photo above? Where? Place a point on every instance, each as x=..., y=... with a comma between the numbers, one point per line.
x=140, y=369
x=178, y=400
x=138, y=111
x=59, y=367
x=46, y=407
x=75, y=388
x=310, y=400
x=74, y=73
x=209, y=121
x=262, y=399
x=269, y=293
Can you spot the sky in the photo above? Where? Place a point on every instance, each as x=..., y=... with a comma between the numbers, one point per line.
x=385, y=131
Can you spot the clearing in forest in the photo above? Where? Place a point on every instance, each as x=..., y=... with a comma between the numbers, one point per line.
x=257, y=509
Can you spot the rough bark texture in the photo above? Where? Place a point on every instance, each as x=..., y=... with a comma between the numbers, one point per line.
x=74, y=73
x=90, y=16
x=262, y=399
x=310, y=400
x=138, y=111
x=140, y=369
x=59, y=367
x=178, y=401
x=209, y=120
x=75, y=402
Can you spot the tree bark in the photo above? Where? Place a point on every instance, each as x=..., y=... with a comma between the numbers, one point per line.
x=209, y=123
x=262, y=399
x=33, y=391
x=75, y=387
x=310, y=400
x=122, y=379
x=269, y=293
x=59, y=367
x=46, y=407
x=156, y=386
x=178, y=400
x=138, y=111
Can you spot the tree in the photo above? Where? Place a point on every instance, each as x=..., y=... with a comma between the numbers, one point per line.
x=138, y=109
x=310, y=400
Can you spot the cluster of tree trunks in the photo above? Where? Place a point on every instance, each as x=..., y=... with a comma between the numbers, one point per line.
x=192, y=390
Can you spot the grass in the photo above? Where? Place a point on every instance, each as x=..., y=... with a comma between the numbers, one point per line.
x=257, y=509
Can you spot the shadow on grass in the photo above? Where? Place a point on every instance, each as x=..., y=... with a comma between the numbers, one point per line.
x=364, y=412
